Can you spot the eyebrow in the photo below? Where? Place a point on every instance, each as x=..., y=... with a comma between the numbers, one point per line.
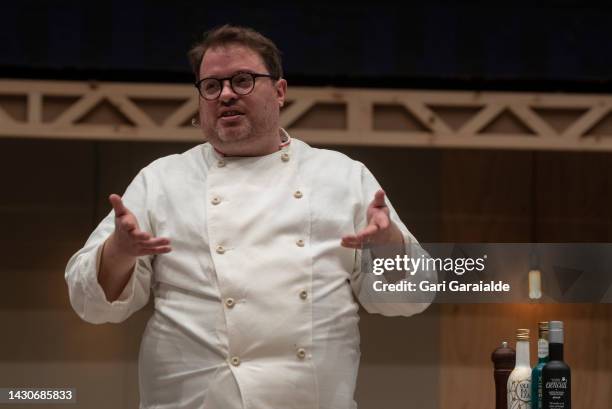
x=230, y=75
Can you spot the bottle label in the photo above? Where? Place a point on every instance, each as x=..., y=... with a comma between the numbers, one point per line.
x=519, y=394
x=557, y=383
x=540, y=397
x=542, y=348
x=556, y=391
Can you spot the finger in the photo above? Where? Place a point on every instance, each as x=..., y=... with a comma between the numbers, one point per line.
x=368, y=231
x=381, y=220
x=350, y=239
x=379, y=199
x=128, y=225
x=140, y=235
x=154, y=242
x=365, y=233
x=355, y=242
x=155, y=250
x=352, y=243
x=117, y=204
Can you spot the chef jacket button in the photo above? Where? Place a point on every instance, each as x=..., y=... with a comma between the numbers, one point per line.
x=303, y=294
x=220, y=249
x=285, y=157
x=298, y=194
x=229, y=303
x=220, y=163
x=235, y=361
x=300, y=243
x=301, y=353
x=216, y=200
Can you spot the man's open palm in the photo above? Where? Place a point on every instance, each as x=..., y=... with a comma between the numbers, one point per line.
x=129, y=239
x=377, y=232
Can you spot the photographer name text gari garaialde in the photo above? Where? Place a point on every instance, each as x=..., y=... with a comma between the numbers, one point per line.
x=458, y=266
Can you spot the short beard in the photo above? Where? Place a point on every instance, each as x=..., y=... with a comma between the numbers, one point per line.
x=229, y=136
x=250, y=135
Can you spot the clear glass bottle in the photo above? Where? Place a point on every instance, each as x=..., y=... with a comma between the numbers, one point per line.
x=536, y=372
x=519, y=382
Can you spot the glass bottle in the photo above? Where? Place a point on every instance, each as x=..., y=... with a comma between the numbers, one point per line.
x=519, y=382
x=536, y=372
x=556, y=376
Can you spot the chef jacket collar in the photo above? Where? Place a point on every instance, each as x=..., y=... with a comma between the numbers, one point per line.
x=285, y=141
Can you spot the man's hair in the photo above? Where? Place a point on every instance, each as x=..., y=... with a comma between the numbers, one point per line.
x=232, y=35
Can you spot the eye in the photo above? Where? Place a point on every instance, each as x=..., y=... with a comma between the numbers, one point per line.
x=243, y=81
x=210, y=86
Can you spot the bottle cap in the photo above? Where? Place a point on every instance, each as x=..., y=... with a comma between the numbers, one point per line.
x=554, y=325
x=555, y=334
x=522, y=334
x=543, y=329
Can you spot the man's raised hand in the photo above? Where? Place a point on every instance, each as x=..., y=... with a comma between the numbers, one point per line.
x=380, y=229
x=128, y=239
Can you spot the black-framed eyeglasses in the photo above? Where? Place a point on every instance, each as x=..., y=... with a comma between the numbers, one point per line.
x=242, y=83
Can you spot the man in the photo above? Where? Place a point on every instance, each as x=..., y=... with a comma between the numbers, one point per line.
x=251, y=244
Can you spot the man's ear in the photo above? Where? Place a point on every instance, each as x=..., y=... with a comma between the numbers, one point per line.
x=281, y=91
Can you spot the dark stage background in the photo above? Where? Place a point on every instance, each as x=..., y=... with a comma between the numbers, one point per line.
x=507, y=45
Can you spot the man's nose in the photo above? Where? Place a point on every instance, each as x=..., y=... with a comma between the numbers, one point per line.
x=227, y=93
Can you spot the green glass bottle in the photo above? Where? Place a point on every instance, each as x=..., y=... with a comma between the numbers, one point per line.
x=536, y=373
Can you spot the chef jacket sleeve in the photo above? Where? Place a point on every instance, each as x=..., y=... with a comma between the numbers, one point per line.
x=402, y=303
x=86, y=295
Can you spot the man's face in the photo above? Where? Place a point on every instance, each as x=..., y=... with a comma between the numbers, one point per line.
x=237, y=124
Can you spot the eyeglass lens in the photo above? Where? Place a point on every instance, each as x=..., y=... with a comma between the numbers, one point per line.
x=241, y=83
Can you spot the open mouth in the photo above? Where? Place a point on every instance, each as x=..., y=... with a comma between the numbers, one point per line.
x=231, y=115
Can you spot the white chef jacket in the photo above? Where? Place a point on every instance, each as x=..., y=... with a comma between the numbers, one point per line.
x=253, y=307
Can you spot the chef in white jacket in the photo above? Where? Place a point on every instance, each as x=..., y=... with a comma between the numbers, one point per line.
x=252, y=245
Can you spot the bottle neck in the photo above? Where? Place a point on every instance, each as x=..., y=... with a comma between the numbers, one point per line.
x=555, y=351
x=542, y=350
x=522, y=353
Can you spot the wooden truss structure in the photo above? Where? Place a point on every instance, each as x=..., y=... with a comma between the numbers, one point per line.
x=322, y=116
